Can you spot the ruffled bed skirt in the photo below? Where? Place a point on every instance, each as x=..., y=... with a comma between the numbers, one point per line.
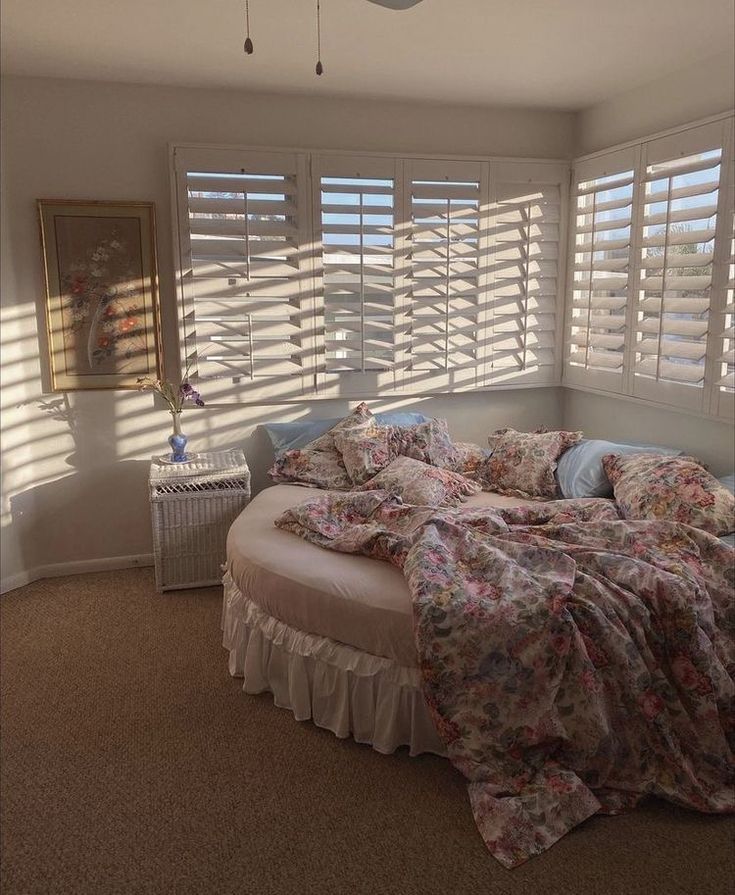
x=345, y=690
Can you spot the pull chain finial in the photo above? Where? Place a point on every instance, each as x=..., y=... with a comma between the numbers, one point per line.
x=319, y=66
x=248, y=47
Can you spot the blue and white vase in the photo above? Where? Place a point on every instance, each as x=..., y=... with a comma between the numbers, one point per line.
x=178, y=440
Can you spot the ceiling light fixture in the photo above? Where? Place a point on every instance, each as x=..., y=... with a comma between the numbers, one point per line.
x=248, y=46
x=319, y=66
x=396, y=4
x=388, y=4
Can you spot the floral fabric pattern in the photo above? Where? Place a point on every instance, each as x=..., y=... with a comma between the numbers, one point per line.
x=422, y=485
x=652, y=486
x=428, y=442
x=365, y=448
x=319, y=463
x=470, y=457
x=320, y=469
x=325, y=442
x=574, y=662
x=523, y=463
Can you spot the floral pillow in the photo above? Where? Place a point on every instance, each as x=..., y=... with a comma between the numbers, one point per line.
x=523, y=463
x=417, y=483
x=325, y=442
x=320, y=469
x=470, y=458
x=319, y=463
x=366, y=449
x=430, y=443
x=652, y=486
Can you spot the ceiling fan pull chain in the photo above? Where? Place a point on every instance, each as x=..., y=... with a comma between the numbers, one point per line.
x=248, y=47
x=319, y=66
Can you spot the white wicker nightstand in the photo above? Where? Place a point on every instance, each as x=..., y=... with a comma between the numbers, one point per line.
x=193, y=506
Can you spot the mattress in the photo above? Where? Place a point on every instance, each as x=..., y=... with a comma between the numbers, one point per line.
x=350, y=599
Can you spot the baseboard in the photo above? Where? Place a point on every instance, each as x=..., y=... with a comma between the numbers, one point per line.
x=78, y=567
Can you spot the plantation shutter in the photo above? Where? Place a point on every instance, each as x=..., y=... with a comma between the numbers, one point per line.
x=447, y=283
x=527, y=271
x=600, y=284
x=358, y=321
x=245, y=276
x=723, y=306
x=680, y=193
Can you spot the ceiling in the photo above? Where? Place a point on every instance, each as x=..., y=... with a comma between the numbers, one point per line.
x=555, y=54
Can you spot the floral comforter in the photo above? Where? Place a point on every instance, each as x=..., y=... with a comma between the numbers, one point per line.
x=573, y=662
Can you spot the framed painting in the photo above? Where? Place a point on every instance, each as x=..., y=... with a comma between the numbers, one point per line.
x=101, y=280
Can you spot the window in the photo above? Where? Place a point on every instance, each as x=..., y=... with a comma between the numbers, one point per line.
x=679, y=198
x=447, y=280
x=245, y=274
x=528, y=208
x=600, y=267
x=724, y=394
x=332, y=275
x=358, y=317
x=647, y=308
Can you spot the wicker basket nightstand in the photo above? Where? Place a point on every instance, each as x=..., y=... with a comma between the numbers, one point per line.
x=193, y=506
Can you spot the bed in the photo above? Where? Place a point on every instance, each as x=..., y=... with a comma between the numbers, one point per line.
x=569, y=656
x=329, y=634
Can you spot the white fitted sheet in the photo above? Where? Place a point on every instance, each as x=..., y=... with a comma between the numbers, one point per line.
x=351, y=599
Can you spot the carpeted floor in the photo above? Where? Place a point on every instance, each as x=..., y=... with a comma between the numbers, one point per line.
x=133, y=763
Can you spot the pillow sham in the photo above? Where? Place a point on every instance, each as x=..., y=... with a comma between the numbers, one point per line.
x=523, y=464
x=428, y=442
x=679, y=489
x=366, y=449
x=319, y=463
x=297, y=434
x=417, y=483
x=469, y=458
x=320, y=469
x=579, y=471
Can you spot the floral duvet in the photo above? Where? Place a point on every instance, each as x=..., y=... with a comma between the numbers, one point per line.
x=573, y=662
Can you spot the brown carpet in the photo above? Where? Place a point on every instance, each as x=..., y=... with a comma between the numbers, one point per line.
x=133, y=763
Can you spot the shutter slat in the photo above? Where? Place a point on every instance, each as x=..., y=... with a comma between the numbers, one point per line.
x=685, y=237
x=681, y=215
x=673, y=327
x=679, y=167
x=691, y=374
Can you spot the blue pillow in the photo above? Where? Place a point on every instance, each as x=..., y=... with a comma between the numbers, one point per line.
x=289, y=436
x=580, y=473
x=729, y=482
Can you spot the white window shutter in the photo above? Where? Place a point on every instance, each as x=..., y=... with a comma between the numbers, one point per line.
x=600, y=280
x=446, y=278
x=358, y=321
x=527, y=217
x=723, y=304
x=679, y=219
x=245, y=279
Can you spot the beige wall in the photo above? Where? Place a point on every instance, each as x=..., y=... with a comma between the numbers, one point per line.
x=75, y=466
x=617, y=419
x=707, y=88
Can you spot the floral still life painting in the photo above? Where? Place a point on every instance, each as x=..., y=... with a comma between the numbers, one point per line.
x=101, y=293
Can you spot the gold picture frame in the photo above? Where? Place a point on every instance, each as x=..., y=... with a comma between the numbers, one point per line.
x=101, y=282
